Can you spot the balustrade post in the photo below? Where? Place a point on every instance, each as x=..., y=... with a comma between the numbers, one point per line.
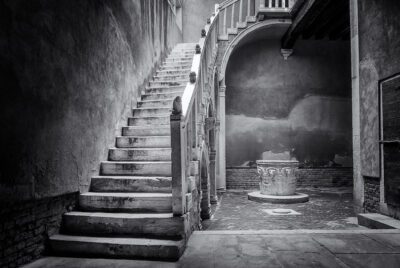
x=213, y=186
x=240, y=11
x=221, y=184
x=178, y=169
x=233, y=15
x=224, y=23
x=262, y=4
x=248, y=8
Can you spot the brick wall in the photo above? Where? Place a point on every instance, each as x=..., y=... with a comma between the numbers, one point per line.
x=371, y=194
x=242, y=178
x=248, y=178
x=25, y=227
x=325, y=177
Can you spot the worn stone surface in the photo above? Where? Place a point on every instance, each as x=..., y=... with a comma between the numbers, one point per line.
x=208, y=249
x=323, y=211
x=301, y=106
x=379, y=47
x=71, y=72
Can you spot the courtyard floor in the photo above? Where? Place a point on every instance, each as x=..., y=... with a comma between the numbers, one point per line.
x=328, y=209
x=285, y=248
x=242, y=234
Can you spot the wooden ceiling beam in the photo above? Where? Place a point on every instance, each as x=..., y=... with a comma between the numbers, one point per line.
x=333, y=11
x=333, y=25
x=308, y=13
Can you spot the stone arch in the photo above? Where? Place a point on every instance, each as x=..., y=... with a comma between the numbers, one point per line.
x=242, y=37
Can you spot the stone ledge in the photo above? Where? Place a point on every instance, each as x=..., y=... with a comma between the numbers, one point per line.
x=278, y=199
x=377, y=221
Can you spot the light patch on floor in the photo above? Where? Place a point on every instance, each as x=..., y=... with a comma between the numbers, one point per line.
x=351, y=220
x=281, y=212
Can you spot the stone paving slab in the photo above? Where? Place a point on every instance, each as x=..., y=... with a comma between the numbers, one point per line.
x=354, y=243
x=392, y=240
x=371, y=260
x=314, y=248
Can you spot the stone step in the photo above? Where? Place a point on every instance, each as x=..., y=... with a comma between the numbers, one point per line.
x=171, y=77
x=232, y=31
x=161, y=225
x=150, y=168
x=161, y=130
x=141, y=154
x=175, y=67
x=143, y=141
x=156, y=111
x=170, y=88
x=184, y=50
x=164, y=90
x=180, y=65
x=179, y=59
x=153, y=120
x=155, y=103
x=138, y=184
x=186, y=63
x=162, y=96
x=130, y=248
x=126, y=202
x=251, y=19
x=172, y=72
x=162, y=83
x=185, y=45
x=183, y=56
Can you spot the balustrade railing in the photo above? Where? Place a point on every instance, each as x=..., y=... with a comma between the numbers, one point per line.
x=188, y=115
x=236, y=13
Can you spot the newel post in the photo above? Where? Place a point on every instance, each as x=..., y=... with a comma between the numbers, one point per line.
x=177, y=169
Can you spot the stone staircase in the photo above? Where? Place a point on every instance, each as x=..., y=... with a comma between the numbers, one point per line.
x=128, y=211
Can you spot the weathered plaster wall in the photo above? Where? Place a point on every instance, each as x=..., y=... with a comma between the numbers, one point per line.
x=379, y=58
x=70, y=73
x=379, y=48
x=195, y=14
x=301, y=106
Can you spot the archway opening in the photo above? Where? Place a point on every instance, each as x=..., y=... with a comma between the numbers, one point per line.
x=299, y=109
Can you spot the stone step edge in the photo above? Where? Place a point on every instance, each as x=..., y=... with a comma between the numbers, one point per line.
x=120, y=247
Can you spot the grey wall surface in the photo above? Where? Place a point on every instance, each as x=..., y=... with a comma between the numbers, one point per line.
x=299, y=107
x=379, y=48
x=70, y=73
x=195, y=14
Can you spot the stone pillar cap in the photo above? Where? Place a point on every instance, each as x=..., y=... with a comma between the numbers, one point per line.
x=276, y=161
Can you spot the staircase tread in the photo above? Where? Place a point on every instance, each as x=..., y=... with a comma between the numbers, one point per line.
x=122, y=194
x=152, y=108
x=120, y=215
x=146, y=136
x=137, y=162
x=149, y=116
x=142, y=148
x=157, y=100
x=130, y=177
x=148, y=126
x=117, y=240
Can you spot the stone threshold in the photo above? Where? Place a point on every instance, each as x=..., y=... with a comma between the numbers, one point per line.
x=377, y=221
x=296, y=232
